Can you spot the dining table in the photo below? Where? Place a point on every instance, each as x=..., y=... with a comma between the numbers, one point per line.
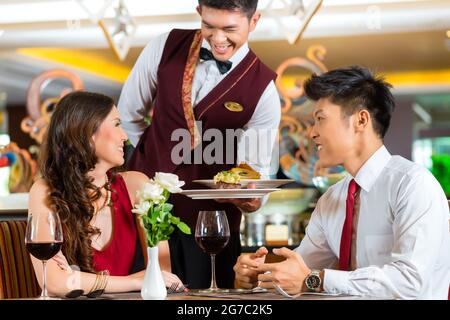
x=236, y=294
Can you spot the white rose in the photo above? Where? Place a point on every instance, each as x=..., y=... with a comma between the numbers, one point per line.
x=153, y=192
x=141, y=208
x=169, y=182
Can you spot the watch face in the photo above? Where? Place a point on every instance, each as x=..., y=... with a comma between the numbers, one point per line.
x=313, y=282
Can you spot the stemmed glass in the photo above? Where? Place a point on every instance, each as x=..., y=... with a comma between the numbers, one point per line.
x=43, y=240
x=212, y=234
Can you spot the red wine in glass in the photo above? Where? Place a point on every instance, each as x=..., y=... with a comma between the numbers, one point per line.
x=43, y=240
x=212, y=244
x=43, y=250
x=212, y=234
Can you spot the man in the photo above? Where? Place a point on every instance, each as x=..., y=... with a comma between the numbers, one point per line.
x=385, y=227
x=202, y=81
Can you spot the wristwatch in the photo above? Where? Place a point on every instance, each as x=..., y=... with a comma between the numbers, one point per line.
x=313, y=281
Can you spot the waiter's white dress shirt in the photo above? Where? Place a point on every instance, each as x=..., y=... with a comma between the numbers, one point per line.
x=403, y=241
x=139, y=90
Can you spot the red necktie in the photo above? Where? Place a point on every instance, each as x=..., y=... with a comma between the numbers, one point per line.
x=346, y=237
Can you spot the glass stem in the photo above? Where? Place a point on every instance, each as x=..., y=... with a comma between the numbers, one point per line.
x=44, y=293
x=213, y=272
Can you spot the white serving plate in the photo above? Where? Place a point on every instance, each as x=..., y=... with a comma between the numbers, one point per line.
x=227, y=193
x=260, y=184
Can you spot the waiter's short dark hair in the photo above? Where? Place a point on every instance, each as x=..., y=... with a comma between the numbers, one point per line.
x=247, y=7
x=355, y=88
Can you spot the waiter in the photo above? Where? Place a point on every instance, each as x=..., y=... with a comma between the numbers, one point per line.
x=201, y=81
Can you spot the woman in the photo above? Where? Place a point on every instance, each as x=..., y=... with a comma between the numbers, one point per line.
x=84, y=144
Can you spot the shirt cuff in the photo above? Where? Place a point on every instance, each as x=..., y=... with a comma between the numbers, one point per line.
x=335, y=281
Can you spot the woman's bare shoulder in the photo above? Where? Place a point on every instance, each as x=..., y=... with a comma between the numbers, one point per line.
x=40, y=186
x=134, y=176
x=38, y=194
x=134, y=181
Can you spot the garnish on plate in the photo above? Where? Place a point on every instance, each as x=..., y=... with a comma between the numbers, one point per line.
x=230, y=179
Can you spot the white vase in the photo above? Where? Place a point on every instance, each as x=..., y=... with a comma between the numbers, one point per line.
x=153, y=287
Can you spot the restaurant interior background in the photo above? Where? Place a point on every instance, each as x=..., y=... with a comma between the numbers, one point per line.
x=96, y=43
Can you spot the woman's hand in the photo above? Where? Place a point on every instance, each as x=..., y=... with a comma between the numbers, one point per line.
x=170, y=278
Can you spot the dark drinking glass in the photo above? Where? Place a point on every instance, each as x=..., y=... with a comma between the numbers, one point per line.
x=212, y=244
x=43, y=240
x=212, y=234
x=43, y=250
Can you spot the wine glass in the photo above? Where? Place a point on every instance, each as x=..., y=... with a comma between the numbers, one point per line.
x=212, y=234
x=43, y=240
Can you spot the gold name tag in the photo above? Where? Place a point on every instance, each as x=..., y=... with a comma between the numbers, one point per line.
x=234, y=106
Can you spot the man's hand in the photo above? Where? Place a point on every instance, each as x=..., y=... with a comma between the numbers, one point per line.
x=246, y=268
x=289, y=274
x=247, y=205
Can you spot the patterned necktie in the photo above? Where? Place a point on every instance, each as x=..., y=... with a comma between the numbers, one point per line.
x=346, y=237
x=223, y=66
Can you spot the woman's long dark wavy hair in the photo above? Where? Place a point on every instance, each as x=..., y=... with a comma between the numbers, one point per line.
x=66, y=156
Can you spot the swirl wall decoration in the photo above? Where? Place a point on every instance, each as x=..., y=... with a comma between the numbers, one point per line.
x=39, y=112
x=297, y=152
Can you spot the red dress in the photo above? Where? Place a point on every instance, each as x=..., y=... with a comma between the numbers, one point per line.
x=119, y=254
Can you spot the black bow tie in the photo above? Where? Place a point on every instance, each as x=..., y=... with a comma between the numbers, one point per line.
x=223, y=66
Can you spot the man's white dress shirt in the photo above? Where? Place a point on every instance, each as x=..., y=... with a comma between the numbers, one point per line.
x=139, y=92
x=403, y=241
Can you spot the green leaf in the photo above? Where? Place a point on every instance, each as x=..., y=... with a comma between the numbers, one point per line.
x=166, y=207
x=164, y=216
x=174, y=220
x=145, y=220
x=154, y=216
x=184, y=228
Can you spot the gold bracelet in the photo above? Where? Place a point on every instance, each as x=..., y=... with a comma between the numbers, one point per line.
x=96, y=282
x=105, y=275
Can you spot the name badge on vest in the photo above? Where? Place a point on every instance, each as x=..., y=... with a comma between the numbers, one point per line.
x=234, y=106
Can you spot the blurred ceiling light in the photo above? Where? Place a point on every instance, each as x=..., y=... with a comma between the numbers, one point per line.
x=12, y=11
x=448, y=34
x=64, y=23
x=124, y=29
x=96, y=10
x=297, y=7
x=292, y=16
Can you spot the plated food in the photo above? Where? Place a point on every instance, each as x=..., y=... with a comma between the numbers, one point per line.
x=201, y=194
x=240, y=177
x=230, y=179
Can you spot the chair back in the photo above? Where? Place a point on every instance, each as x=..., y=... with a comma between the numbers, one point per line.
x=17, y=278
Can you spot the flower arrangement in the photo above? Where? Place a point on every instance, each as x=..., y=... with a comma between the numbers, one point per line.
x=154, y=211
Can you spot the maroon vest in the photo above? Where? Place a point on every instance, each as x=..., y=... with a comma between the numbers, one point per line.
x=248, y=80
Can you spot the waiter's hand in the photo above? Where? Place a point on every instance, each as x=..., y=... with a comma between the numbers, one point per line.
x=247, y=205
